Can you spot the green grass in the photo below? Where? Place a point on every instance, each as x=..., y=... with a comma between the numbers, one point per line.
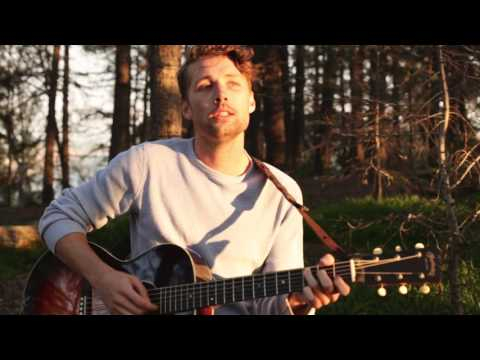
x=378, y=224
x=14, y=262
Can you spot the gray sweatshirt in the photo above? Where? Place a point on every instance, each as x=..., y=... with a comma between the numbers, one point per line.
x=238, y=224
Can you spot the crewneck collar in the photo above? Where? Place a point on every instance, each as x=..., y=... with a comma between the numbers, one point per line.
x=216, y=175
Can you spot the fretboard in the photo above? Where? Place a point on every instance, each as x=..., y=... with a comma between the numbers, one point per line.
x=187, y=297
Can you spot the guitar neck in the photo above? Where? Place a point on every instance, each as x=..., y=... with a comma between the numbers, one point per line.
x=416, y=267
x=187, y=297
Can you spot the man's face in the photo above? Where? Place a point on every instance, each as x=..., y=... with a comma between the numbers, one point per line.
x=219, y=99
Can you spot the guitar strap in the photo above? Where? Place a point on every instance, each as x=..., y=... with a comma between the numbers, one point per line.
x=317, y=229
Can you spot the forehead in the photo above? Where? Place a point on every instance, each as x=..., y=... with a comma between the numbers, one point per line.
x=213, y=66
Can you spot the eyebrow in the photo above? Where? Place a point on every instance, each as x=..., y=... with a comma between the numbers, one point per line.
x=207, y=77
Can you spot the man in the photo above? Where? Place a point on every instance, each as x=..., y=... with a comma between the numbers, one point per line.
x=202, y=193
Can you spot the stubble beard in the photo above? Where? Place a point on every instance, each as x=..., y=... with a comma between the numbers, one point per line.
x=218, y=132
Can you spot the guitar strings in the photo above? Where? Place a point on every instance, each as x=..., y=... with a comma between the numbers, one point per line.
x=178, y=291
x=184, y=290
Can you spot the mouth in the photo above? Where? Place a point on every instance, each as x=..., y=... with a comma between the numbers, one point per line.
x=221, y=114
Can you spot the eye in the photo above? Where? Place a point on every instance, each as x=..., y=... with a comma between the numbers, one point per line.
x=234, y=83
x=203, y=85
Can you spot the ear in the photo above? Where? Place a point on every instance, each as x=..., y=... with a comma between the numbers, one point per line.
x=186, y=110
x=252, y=104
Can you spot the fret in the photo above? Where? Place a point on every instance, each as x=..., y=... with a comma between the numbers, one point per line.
x=253, y=287
x=211, y=293
x=264, y=287
x=185, y=294
x=220, y=292
x=170, y=300
x=230, y=294
x=199, y=293
x=248, y=288
x=289, y=283
x=196, y=296
x=204, y=291
x=297, y=283
x=282, y=282
x=224, y=295
x=243, y=288
x=192, y=296
x=270, y=287
x=276, y=283
x=259, y=282
x=208, y=294
x=164, y=301
x=174, y=299
x=160, y=302
x=237, y=289
x=181, y=296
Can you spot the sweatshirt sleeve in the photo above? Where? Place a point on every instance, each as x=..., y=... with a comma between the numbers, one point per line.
x=110, y=193
x=286, y=254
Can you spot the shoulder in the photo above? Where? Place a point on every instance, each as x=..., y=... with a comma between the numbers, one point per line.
x=166, y=145
x=142, y=154
x=165, y=148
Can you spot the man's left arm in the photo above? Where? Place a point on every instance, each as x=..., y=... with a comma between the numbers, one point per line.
x=287, y=254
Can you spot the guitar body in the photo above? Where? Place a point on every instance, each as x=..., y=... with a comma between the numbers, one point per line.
x=53, y=289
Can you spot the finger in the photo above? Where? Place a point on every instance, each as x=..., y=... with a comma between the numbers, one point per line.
x=327, y=260
x=122, y=306
x=311, y=298
x=325, y=281
x=322, y=297
x=342, y=286
x=307, y=273
x=334, y=297
x=123, y=310
x=140, y=295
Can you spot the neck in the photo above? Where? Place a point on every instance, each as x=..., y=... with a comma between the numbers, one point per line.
x=229, y=158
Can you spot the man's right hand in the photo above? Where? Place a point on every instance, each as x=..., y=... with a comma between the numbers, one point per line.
x=123, y=294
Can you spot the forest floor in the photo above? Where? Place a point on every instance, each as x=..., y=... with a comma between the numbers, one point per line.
x=11, y=294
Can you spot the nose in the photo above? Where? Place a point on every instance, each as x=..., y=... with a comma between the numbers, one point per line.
x=220, y=95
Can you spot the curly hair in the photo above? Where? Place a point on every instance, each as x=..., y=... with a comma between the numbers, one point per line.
x=240, y=55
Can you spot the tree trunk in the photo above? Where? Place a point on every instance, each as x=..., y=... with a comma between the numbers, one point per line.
x=253, y=135
x=377, y=101
x=165, y=94
x=134, y=127
x=274, y=121
x=254, y=140
x=65, y=151
x=327, y=112
x=8, y=123
x=356, y=85
x=146, y=124
x=344, y=125
x=455, y=241
x=51, y=129
x=121, y=108
x=433, y=112
x=298, y=128
x=288, y=106
x=393, y=159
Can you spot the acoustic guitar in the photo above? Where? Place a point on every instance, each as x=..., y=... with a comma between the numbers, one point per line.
x=179, y=282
